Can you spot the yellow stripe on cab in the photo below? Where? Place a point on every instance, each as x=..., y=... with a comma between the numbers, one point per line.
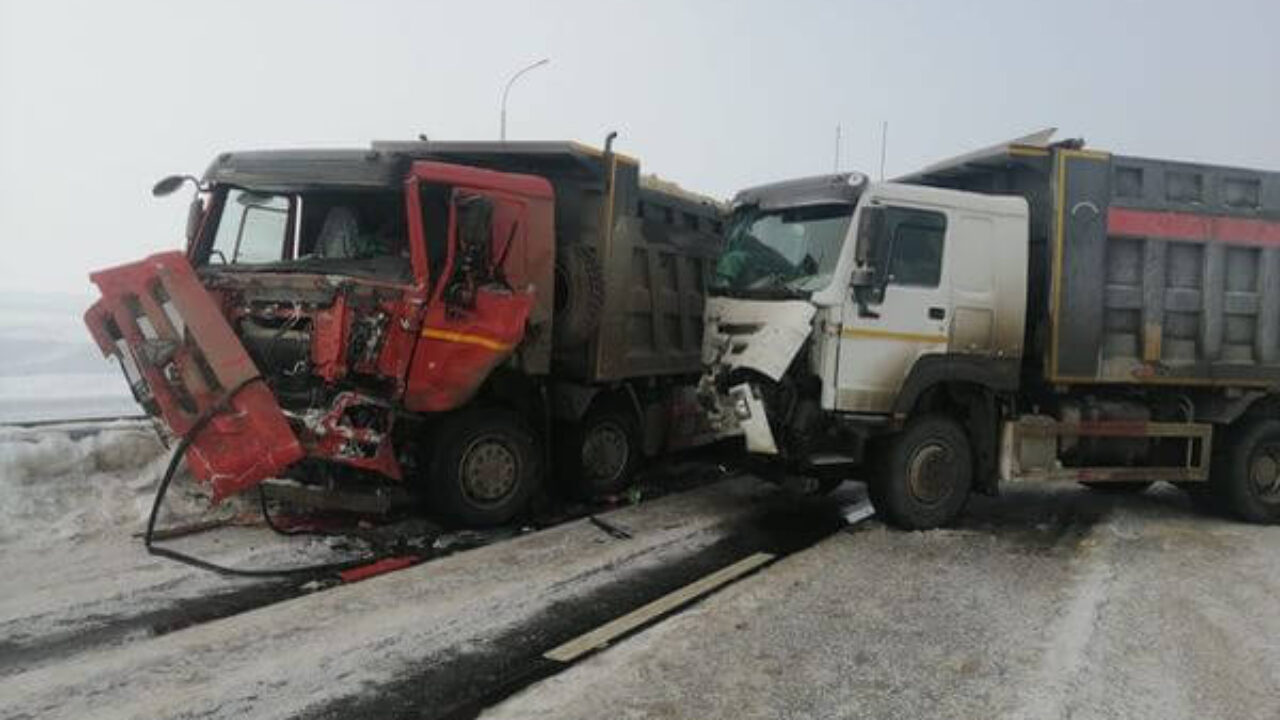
x=466, y=339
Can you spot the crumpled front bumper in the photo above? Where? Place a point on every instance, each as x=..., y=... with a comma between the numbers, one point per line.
x=182, y=359
x=739, y=411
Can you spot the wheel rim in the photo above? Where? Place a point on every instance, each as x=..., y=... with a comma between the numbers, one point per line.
x=931, y=474
x=489, y=471
x=605, y=452
x=1264, y=472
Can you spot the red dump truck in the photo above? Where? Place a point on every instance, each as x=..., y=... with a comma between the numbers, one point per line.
x=1030, y=311
x=448, y=316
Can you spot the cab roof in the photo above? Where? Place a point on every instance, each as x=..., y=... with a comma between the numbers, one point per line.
x=384, y=164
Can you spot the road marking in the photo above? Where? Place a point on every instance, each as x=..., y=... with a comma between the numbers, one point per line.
x=606, y=633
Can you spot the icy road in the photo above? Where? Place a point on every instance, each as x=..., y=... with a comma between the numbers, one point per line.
x=1045, y=603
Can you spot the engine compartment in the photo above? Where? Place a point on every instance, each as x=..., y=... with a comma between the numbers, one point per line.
x=321, y=345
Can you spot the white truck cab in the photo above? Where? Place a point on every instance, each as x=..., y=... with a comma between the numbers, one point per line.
x=868, y=283
x=1025, y=312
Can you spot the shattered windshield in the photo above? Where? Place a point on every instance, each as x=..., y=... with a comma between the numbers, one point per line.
x=787, y=252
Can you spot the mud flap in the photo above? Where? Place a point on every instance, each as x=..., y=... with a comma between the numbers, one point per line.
x=181, y=357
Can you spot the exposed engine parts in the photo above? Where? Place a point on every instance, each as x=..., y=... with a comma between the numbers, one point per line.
x=318, y=359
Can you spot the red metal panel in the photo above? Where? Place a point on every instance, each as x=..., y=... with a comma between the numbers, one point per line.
x=378, y=567
x=456, y=354
x=531, y=186
x=329, y=342
x=177, y=336
x=1192, y=227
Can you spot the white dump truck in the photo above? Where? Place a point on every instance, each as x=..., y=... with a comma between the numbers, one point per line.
x=1030, y=311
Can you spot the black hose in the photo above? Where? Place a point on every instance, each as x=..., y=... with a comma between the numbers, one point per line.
x=178, y=454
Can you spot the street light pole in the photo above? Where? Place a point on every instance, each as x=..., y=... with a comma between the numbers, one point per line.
x=507, y=89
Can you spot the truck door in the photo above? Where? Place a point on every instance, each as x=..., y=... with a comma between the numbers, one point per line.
x=475, y=317
x=908, y=316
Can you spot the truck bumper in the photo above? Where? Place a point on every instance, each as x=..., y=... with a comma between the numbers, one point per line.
x=741, y=411
x=181, y=358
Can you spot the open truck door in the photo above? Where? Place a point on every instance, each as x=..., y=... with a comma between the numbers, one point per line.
x=182, y=361
x=485, y=277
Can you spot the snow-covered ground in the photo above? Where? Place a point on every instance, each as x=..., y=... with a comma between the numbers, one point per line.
x=49, y=366
x=74, y=499
x=290, y=658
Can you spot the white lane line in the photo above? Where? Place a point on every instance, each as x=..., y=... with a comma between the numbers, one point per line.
x=604, y=634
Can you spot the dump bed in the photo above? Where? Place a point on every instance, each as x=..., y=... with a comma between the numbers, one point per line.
x=653, y=245
x=1142, y=271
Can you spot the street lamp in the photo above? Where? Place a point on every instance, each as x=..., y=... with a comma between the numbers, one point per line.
x=507, y=90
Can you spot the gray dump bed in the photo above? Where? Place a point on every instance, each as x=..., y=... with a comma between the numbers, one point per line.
x=1142, y=271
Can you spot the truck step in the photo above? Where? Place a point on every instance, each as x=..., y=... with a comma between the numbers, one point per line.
x=831, y=459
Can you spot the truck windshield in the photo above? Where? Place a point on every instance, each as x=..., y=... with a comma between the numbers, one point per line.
x=788, y=252
x=253, y=228
x=342, y=232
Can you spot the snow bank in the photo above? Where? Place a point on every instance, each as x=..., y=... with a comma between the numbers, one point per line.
x=70, y=482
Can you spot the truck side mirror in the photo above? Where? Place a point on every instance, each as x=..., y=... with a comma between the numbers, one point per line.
x=871, y=252
x=195, y=213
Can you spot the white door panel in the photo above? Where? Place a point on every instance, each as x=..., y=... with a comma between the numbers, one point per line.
x=914, y=314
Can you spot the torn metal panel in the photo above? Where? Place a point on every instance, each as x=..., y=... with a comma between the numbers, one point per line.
x=759, y=335
x=159, y=304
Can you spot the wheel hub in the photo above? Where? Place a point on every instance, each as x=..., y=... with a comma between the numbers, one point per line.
x=605, y=452
x=1264, y=472
x=931, y=476
x=489, y=471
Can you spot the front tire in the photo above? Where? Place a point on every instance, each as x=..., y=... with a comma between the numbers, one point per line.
x=924, y=474
x=1246, y=476
x=485, y=467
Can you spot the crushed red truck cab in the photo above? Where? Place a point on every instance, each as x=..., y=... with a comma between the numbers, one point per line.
x=424, y=312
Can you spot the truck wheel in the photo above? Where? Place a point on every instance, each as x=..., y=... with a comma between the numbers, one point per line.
x=1247, y=475
x=485, y=468
x=1119, y=488
x=924, y=475
x=579, y=295
x=599, y=453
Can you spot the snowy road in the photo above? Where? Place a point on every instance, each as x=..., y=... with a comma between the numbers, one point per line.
x=92, y=626
x=1046, y=603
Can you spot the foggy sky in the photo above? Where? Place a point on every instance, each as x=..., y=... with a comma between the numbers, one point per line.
x=98, y=100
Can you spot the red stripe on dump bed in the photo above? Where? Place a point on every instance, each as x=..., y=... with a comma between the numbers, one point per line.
x=1190, y=226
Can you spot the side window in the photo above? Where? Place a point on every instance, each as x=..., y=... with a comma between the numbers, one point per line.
x=916, y=258
x=253, y=228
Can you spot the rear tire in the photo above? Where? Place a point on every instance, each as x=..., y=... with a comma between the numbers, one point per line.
x=1119, y=488
x=600, y=453
x=924, y=474
x=1246, y=475
x=485, y=467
